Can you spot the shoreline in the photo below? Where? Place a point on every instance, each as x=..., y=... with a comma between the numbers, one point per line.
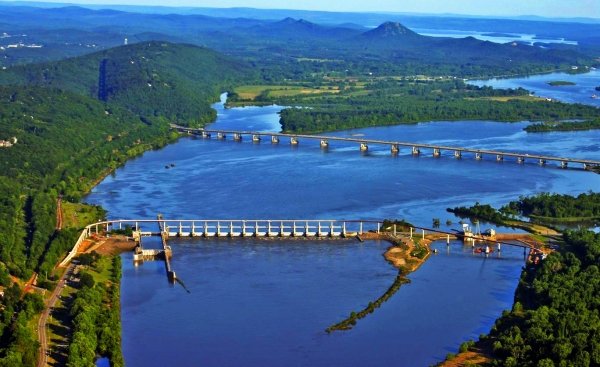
x=401, y=256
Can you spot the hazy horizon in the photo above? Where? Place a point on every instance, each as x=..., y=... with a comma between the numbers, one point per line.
x=507, y=8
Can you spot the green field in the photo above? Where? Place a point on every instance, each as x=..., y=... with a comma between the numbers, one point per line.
x=251, y=92
x=78, y=215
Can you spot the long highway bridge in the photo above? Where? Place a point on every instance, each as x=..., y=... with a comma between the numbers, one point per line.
x=394, y=146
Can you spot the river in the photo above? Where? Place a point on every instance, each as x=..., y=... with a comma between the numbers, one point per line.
x=259, y=303
x=581, y=92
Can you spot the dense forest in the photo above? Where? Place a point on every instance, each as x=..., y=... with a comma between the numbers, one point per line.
x=155, y=80
x=555, y=320
x=68, y=135
x=391, y=102
x=479, y=211
x=298, y=46
x=546, y=205
x=65, y=143
x=543, y=208
x=96, y=317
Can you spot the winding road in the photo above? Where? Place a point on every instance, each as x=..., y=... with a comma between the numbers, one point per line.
x=42, y=335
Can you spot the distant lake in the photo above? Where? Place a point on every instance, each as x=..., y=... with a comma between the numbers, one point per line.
x=495, y=37
x=581, y=92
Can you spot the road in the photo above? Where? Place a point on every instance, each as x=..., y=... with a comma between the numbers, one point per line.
x=42, y=335
x=518, y=155
x=59, y=216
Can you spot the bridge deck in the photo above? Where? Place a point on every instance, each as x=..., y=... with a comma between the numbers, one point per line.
x=439, y=148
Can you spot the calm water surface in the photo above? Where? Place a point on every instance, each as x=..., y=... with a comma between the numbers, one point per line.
x=256, y=303
x=581, y=92
x=496, y=37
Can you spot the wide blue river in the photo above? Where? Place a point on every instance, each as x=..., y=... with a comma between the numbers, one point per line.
x=267, y=303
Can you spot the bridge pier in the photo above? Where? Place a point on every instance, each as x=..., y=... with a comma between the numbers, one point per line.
x=306, y=229
x=322, y=230
x=394, y=147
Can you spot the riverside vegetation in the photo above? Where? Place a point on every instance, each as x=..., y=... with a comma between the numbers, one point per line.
x=564, y=126
x=554, y=320
x=95, y=314
x=544, y=208
x=345, y=103
x=68, y=139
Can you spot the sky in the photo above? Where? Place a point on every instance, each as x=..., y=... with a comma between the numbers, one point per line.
x=545, y=8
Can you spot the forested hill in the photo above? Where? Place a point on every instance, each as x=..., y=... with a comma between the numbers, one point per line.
x=64, y=143
x=299, y=48
x=174, y=82
x=394, y=41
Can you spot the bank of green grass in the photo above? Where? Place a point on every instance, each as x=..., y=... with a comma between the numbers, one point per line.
x=78, y=215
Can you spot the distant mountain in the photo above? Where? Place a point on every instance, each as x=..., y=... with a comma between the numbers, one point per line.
x=153, y=79
x=392, y=40
x=290, y=28
x=390, y=30
x=290, y=48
